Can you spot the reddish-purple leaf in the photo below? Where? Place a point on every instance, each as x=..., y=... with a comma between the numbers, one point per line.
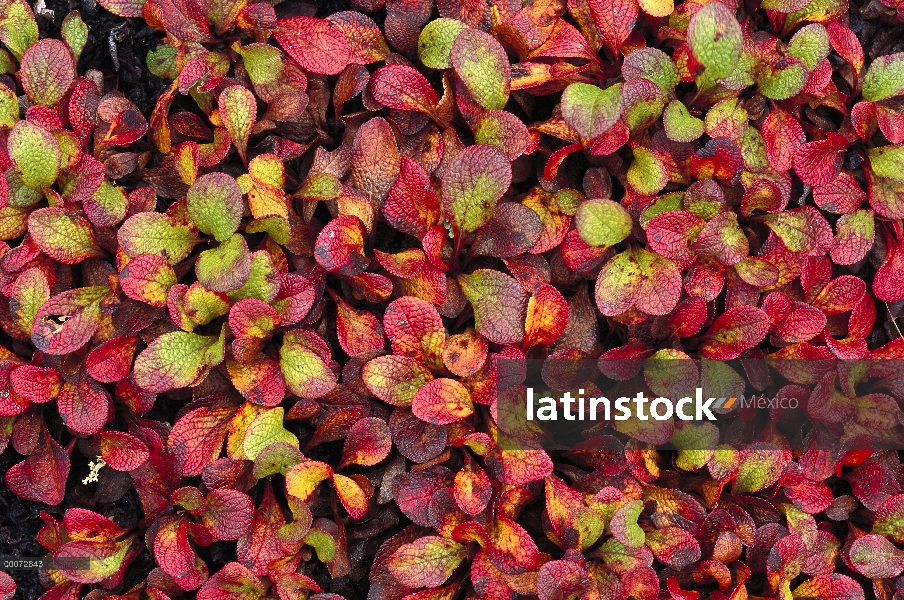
x=316, y=45
x=736, y=330
x=122, y=451
x=818, y=163
x=111, y=361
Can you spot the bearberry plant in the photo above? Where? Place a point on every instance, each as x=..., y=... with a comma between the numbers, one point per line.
x=278, y=306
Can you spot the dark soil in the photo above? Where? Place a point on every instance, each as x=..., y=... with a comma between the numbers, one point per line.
x=124, y=68
x=19, y=525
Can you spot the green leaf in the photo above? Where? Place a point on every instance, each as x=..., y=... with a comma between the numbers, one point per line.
x=178, y=359
x=263, y=62
x=647, y=174
x=161, y=61
x=75, y=33
x=694, y=443
x=887, y=161
x=680, y=125
x=267, y=428
x=821, y=11
x=653, y=65
x=321, y=186
x=156, y=233
x=306, y=374
x=263, y=281
x=9, y=107
x=107, y=206
x=105, y=558
x=481, y=63
x=715, y=39
x=434, y=46
x=810, y=44
x=499, y=302
x=238, y=111
x=273, y=225
x=642, y=104
x=29, y=292
x=590, y=110
x=781, y=84
x=226, y=267
x=663, y=204
x=761, y=464
x=426, y=562
x=884, y=78
x=18, y=28
x=215, y=205
x=63, y=235
x=276, y=458
x=475, y=179
x=624, y=524
x=35, y=153
x=202, y=306
x=603, y=222
x=753, y=149
x=322, y=543
x=7, y=65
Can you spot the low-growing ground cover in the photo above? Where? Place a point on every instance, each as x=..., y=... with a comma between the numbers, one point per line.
x=264, y=264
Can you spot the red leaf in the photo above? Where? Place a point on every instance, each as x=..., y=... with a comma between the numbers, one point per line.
x=472, y=489
x=818, y=163
x=84, y=407
x=720, y=158
x=403, y=88
x=176, y=557
x=7, y=587
x=111, y=361
x=415, y=329
x=253, y=317
x=260, y=381
x=147, y=278
x=36, y=384
x=783, y=134
x=404, y=21
x=229, y=513
x=671, y=233
x=442, y=401
x=614, y=19
x=197, y=437
x=841, y=295
x=888, y=284
x=260, y=545
x=231, y=582
x=340, y=246
x=843, y=195
x=846, y=44
x=122, y=451
x=736, y=330
x=358, y=330
x=126, y=123
x=688, y=317
x=411, y=205
x=316, y=45
x=42, y=476
x=47, y=71
x=368, y=442
x=547, y=317
x=562, y=579
x=803, y=323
